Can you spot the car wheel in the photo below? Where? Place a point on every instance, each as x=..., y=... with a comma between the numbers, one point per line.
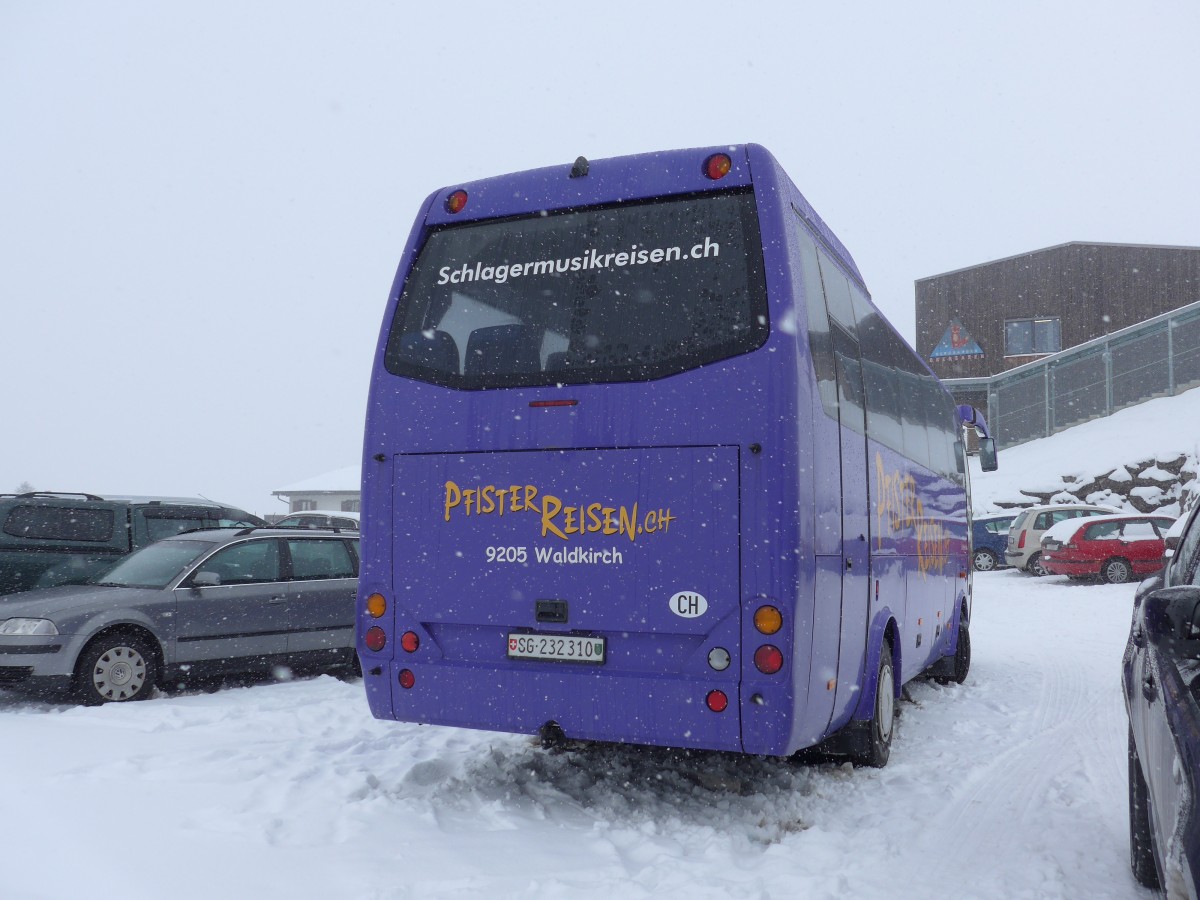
x=1141, y=840
x=1117, y=571
x=1035, y=566
x=115, y=668
x=983, y=560
x=883, y=721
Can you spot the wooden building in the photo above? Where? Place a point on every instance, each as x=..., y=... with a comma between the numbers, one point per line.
x=985, y=319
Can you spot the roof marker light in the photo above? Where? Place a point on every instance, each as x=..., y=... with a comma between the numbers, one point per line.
x=718, y=166
x=545, y=404
x=456, y=201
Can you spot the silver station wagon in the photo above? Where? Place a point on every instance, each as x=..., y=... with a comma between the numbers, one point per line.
x=199, y=604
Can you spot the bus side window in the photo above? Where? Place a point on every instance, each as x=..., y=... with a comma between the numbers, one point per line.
x=820, y=341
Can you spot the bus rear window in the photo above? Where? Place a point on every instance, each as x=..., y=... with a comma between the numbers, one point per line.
x=621, y=293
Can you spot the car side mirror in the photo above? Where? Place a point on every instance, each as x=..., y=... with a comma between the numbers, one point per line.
x=205, y=579
x=1172, y=621
x=1170, y=544
x=987, y=455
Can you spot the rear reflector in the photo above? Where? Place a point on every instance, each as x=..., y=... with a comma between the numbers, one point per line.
x=717, y=701
x=545, y=404
x=407, y=679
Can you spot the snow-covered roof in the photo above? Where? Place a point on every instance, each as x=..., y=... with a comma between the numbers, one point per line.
x=1062, y=531
x=339, y=481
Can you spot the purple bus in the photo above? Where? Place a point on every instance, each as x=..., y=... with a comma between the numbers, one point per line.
x=644, y=464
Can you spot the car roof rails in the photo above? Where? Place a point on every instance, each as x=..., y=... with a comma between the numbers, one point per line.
x=34, y=494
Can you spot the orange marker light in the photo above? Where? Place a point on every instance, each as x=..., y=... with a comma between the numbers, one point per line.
x=376, y=605
x=768, y=620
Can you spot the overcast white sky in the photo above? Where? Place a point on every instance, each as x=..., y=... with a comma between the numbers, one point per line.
x=202, y=204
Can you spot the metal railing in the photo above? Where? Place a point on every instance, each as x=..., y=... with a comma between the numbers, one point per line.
x=1156, y=358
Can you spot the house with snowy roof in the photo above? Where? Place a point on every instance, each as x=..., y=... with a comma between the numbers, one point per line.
x=337, y=490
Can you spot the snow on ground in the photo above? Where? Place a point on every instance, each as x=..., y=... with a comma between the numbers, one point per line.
x=1010, y=786
x=1158, y=429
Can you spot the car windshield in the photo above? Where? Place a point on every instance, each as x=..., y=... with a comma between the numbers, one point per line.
x=155, y=566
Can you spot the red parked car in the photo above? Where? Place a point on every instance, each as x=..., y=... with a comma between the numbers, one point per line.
x=1116, y=548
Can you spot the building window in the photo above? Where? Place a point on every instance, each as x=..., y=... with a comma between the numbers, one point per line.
x=351, y=505
x=1028, y=337
x=302, y=505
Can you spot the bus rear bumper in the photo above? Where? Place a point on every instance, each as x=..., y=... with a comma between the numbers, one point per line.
x=586, y=703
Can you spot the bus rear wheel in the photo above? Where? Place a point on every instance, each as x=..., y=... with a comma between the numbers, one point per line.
x=883, y=722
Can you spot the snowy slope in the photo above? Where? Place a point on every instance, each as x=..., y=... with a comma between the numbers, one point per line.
x=1162, y=429
x=1009, y=786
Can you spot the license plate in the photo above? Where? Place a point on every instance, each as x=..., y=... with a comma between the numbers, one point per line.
x=561, y=647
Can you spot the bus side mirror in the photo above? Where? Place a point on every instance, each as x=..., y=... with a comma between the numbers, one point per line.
x=1172, y=621
x=960, y=457
x=987, y=455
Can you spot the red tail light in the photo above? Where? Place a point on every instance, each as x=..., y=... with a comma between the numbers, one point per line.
x=407, y=679
x=410, y=642
x=717, y=701
x=768, y=659
x=375, y=639
x=1021, y=541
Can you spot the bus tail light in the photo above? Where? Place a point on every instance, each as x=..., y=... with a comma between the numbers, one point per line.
x=768, y=619
x=717, y=701
x=768, y=659
x=410, y=642
x=375, y=639
x=718, y=166
x=456, y=201
x=407, y=678
x=376, y=605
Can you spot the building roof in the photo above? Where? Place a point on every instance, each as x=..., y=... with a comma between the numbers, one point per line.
x=340, y=481
x=1057, y=247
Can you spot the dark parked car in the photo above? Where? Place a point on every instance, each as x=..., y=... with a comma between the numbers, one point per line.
x=320, y=518
x=989, y=536
x=1116, y=548
x=51, y=538
x=1161, y=681
x=199, y=604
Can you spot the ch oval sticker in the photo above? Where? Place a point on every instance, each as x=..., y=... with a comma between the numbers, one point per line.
x=689, y=605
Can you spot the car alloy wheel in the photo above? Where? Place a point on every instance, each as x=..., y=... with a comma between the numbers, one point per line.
x=1117, y=571
x=983, y=560
x=1036, y=566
